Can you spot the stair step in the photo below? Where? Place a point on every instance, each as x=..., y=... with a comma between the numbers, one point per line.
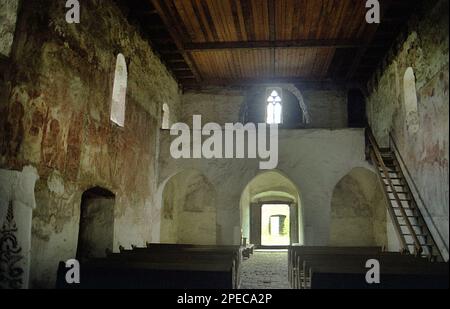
x=401, y=199
x=389, y=171
x=390, y=165
x=422, y=245
x=392, y=178
x=405, y=208
x=418, y=235
x=400, y=216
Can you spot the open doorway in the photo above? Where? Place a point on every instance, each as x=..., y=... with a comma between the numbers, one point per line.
x=275, y=225
x=96, y=235
x=271, y=214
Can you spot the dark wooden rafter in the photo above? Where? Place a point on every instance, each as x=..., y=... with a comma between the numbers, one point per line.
x=267, y=81
x=344, y=43
x=173, y=28
x=385, y=5
x=272, y=34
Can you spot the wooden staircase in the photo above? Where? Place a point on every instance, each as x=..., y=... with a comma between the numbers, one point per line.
x=410, y=226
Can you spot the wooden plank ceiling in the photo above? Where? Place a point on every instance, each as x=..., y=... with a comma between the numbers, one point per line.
x=239, y=42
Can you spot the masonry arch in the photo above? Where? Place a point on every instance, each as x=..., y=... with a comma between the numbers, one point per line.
x=358, y=211
x=266, y=189
x=188, y=213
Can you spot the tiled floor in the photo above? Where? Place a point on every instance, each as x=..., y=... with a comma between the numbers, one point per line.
x=266, y=269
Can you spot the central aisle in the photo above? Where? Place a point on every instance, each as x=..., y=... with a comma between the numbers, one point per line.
x=266, y=269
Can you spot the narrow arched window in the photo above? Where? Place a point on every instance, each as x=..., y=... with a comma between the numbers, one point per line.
x=165, y=117
x=410, y=97
x=274, y=106
x=119, y=92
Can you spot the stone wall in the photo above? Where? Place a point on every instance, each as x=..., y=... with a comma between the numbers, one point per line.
x=57, y=119
x=219, y=105
x=424, y=148
x=325, y=108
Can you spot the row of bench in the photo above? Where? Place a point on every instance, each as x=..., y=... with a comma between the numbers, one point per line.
x=162, y=266
x=345, y=267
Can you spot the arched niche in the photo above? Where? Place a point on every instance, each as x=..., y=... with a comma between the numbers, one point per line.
x=358, y=211
x=188, y=214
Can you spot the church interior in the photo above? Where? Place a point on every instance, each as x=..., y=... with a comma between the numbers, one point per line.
x=354, y=93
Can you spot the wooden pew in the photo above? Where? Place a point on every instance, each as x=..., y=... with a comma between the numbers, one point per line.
x=162, y=266
x=120, y=274
x=352, y=271
x=392, y=277
x=307, y=261
x=209, y=249
x=297, y=251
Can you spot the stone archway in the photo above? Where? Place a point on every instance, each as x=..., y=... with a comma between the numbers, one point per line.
x=270, y=188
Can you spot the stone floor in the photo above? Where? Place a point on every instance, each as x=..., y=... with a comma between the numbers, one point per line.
x=266, y=269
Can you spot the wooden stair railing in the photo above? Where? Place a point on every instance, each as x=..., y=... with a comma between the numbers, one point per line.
x=431, y=245
x=389, y=188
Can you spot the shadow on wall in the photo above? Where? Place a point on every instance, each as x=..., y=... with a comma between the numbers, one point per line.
x=188, y=214
x=358, y=211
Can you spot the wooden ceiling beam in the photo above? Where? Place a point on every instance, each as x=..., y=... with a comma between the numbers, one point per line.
x=298, y=82
x=192, y=47
x=263, y=81
x=171, y=27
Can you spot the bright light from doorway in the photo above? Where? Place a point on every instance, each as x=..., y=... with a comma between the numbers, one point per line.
x=275, y=225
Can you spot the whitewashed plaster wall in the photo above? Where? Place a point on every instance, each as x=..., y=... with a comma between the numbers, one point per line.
x=314, y=160
x=17, y=202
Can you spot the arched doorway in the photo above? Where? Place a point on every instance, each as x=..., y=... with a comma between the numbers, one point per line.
x=188, y=214
x=96, y=234
x=358, y=211
x=271, y=211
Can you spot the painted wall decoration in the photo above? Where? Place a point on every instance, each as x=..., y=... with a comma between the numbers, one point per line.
x=11, y=273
